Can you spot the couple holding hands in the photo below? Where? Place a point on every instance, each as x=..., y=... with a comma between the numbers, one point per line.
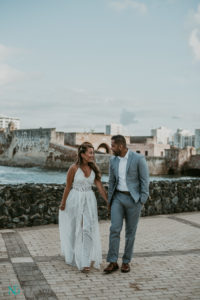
x=128, y=190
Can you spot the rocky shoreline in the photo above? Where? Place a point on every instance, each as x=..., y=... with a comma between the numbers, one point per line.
x=37, y=204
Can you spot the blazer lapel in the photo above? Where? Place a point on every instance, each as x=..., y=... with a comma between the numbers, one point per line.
x=117, y=166
x=130, y=158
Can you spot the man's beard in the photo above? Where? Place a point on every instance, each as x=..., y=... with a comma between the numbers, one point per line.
x=118, y=153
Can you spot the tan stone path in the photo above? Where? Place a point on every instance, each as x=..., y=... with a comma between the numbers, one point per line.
x=166, y=264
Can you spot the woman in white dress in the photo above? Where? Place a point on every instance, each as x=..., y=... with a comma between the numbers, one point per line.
x=78, y=217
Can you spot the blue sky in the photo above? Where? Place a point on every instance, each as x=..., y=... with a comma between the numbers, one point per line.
x=79, y=65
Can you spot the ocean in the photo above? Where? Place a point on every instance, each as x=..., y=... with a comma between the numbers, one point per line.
x=16, y=175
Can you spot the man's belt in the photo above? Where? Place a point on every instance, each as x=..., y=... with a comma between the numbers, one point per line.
x=124, y=192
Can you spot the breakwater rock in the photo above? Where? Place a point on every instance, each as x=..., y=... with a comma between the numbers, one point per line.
x=37, y=204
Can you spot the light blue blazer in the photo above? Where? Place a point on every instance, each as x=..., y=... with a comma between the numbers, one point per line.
x=137, y=177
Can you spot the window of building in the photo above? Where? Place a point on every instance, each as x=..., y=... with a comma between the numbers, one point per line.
x=146, y=153
x=138, y=151
x=161, y=153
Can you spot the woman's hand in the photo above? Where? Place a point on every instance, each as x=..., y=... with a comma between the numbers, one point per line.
x=62, y=205
x=69, y=180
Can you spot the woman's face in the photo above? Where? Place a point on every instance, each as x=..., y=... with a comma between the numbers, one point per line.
x=88, y=155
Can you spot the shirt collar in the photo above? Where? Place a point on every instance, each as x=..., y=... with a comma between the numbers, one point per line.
x=125, y=157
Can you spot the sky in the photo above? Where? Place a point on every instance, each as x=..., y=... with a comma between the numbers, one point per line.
x=78, y=65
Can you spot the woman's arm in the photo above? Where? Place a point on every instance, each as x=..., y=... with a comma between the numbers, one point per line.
x=70, y=177
x=101, y=189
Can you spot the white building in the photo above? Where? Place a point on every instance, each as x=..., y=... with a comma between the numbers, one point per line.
x=4, y=121
x=162, y=134
x=114, y=129
x=197, y=138
x=183, y=138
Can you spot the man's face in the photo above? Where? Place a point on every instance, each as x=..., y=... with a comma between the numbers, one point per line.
x=116, y=148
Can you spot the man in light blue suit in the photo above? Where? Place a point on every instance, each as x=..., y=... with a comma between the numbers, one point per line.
x=127, y=192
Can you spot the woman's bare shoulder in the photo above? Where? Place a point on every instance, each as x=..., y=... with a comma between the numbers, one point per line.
x=73, y=168
x=71, y=173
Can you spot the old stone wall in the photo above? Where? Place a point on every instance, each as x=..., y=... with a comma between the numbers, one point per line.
x=147, y=149
x=57, y=137
x=5, y=141
x=45, y=147
x=32, y=147
x=70, y=138
x=102, y=161
x=41, y=147
x=157, y=165
x=192, y=167
x=60, y=157
x=178, y=159
x=194, y=162
x=37, y=204
x=28, y=147
x=2, y=137
x=95, y=139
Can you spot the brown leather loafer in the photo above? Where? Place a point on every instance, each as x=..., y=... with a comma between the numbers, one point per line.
x=112, y=267
x=125, y=268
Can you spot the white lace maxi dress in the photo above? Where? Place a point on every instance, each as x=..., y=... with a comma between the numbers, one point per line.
x=78, y=224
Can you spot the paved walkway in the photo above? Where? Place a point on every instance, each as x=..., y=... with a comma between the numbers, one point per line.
x=166, y=264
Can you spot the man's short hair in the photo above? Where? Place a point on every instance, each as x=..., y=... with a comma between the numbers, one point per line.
x=119, y=139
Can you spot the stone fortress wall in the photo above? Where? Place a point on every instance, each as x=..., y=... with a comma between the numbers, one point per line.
x=28, y=147
x=42, y=147
x=47, y=148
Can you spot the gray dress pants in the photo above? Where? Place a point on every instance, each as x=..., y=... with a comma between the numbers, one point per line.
x=123, y=206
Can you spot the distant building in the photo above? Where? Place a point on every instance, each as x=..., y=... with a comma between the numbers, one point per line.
x=162, y=134
x=114, y=129
x=197, y=138
x=4, y=122
x=148, y=146
x=100, y=141
x=183, y=138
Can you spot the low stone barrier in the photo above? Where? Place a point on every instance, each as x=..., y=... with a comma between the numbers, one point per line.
x=37, y=204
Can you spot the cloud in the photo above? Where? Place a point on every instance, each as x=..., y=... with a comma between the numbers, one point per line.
x=109, y=100
x=176, y=117
x=194, y=39
x=9, y=74
x=126, y=4
x=197, y=15
x=194, y=42
x=6, y=52
x=127, y=117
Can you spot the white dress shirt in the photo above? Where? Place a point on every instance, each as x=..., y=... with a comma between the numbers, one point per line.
x=122, y=186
